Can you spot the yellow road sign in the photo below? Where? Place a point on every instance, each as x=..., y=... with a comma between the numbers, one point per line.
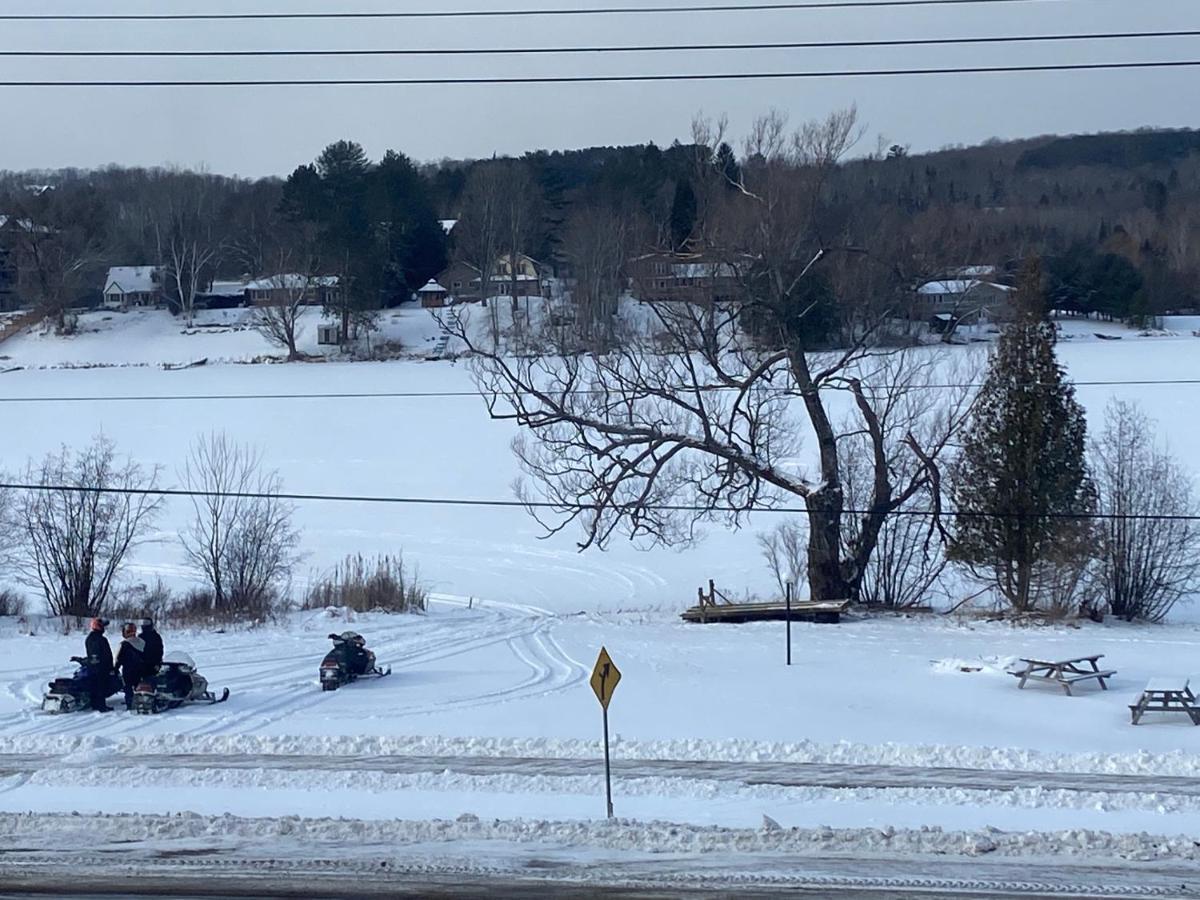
x=605, y=678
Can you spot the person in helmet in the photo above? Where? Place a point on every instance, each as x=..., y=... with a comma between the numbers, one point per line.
x=100, y=660
x=154, y=647
x=131, y=661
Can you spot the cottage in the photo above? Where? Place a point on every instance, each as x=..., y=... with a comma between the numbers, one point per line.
x=127, y=287
x=433, y=295
x=462, y=280
x=292, y=288
x=683, y=277
x=962, y=300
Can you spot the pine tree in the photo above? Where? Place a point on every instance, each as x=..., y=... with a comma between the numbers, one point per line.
x=1023, y=458
x=684, y=209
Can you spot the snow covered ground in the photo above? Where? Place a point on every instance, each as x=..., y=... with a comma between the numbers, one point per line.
x=488, y=713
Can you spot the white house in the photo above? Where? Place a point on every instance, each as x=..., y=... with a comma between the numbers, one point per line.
x=131, y=286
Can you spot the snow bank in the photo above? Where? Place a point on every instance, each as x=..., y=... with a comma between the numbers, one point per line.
x=613, y=835
x=1178, y=763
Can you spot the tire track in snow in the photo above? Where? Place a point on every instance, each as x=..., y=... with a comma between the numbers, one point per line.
x=271, y=689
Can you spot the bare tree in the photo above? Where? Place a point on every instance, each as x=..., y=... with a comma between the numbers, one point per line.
x=520, y=208
x=291, y=287
x=240, y=538
x=692, y=420
x=783, y=548
x=76, y=528
x=1146, y=565
x=187, y=234
x=595, y=243
x=479, y=234
x=57, y=236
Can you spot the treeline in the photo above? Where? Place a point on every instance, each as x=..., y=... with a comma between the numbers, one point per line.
x=1115, y=215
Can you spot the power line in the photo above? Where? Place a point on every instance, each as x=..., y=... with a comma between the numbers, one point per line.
x=565, y=507
x=500, y=13
x=645, y=48
x=610, y=79
x=429, y=395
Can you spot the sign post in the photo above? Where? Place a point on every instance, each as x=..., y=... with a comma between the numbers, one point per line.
x=604, y=680
x=788, y=617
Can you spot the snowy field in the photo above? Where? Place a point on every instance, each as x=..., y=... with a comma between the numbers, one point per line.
x=488, y=724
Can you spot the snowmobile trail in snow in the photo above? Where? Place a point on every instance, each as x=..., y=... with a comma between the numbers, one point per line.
x=269, y=688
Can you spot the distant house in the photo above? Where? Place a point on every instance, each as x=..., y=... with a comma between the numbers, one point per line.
x=962, y=300
x=127, y=287
x=284, y=288
x=463, y=283
x=683, y=277
x=433, y=295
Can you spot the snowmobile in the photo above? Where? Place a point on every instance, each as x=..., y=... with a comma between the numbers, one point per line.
x=69, y=694
x=176, y=683
x=348, y=661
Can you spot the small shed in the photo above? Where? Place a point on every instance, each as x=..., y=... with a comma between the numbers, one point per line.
x=433, y=295
x=329, y=335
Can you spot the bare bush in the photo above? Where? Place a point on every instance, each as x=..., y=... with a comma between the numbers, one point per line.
x=142, y=601
x=240, y=539
x=76, y=527
x=1146, y=566
x=785, y=548
x=364, y=585
x=11, y=603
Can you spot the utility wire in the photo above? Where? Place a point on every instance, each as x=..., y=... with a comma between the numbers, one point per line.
x=563, y=507
x=608, y=79
x=425, y=395
x=645, y=48
x=500, y=13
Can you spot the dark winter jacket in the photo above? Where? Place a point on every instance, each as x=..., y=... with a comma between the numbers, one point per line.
x=131, y=661
x=154, y=648
x=99, y=651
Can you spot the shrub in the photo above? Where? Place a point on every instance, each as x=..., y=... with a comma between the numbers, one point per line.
x=362, y=584
x=11, y=603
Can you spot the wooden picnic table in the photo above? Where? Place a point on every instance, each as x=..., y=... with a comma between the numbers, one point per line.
x=1064, y=672
x=1166, y=695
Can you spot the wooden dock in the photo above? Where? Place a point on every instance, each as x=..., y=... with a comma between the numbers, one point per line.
x=828, y=612
x=716, y=607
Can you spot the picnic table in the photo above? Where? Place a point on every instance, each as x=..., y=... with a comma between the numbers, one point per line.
x=1166, y=695
x=1064, y=672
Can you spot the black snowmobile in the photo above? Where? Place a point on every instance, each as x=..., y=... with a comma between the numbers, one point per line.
x=69, y=694
x=176, y=683
x=348, y=661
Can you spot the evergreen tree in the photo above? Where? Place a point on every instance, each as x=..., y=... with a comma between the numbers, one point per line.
x=411, y=242
x=727, y=165
x=332, y=195
x=1023, y=458
x=683, y=214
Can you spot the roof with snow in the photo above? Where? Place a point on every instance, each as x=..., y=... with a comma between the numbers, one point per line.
x=291, y=281
x=448, y=224
x=432, y=287
x=702, y=270
x=26, y=225
x=958, y=286
x=131, y=280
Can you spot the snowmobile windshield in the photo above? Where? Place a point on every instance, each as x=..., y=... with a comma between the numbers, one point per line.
x=178, y=659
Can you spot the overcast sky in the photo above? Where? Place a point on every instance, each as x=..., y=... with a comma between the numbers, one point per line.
x=269, y=130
